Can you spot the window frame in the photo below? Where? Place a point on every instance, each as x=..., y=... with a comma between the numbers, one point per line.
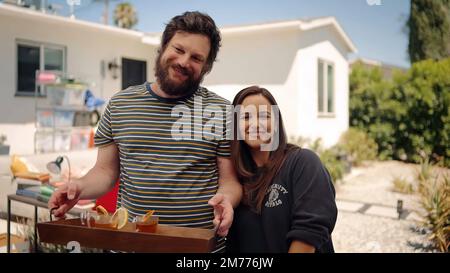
x=42, y=46
x=326, y=113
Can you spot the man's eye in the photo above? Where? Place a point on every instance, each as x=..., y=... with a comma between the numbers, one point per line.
x=178, y=50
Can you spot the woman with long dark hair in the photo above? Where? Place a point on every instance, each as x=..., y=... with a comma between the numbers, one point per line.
x=289, y=199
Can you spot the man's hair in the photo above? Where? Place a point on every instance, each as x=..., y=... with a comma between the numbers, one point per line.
x=196, y=23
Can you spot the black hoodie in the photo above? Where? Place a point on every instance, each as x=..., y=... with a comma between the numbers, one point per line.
x=299, y=205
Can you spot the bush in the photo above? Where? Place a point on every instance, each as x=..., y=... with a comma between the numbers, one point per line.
x=406, y=115
x=332, y=159
x=335, y=166
x=425, y=171
x=435, y=199
x=402, y=185
x=434, y=191
x=358, y=146
x=425, y=90
x=370, y=110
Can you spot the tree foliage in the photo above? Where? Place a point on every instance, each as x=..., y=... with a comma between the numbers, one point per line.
x=408, y=115
x=429, y=30
x=125, y=16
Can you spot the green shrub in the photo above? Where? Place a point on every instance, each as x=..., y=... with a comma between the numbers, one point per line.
x=358, y=146
x=370, y=110
x=335, y=166
x=332, y=158
x=406, y=115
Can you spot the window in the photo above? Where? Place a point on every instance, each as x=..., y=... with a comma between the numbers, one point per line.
x=325, y=86
x=32, y=56
x=27, y=64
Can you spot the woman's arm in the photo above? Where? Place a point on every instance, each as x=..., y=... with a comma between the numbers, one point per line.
x=314, y=210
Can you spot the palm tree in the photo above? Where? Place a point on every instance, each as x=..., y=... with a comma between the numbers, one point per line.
x=125, y=16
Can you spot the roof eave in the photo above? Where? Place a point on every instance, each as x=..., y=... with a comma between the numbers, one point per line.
x=9, y=10
x=294, y=24
x=330, y=21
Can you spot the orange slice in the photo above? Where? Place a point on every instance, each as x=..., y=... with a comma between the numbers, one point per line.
x=119, y=218
x=147, y=216
x=101, y=210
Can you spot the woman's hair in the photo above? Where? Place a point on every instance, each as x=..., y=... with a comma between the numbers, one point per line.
x=256, y=183
x=196, y=23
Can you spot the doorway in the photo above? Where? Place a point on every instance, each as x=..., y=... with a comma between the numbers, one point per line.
x=134, y=72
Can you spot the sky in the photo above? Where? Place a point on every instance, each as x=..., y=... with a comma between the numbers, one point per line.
x=378, y=31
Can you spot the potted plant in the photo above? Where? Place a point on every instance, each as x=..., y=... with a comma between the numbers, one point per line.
x=4, y=149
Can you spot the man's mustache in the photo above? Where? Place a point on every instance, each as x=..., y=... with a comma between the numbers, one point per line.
x=182, y=70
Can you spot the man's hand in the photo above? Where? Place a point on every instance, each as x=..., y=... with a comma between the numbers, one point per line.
x=64, y=198
x=223, y=213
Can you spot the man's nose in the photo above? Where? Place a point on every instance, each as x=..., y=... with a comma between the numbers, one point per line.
x=184, y=61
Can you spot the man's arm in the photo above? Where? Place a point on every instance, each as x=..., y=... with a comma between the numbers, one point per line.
x=229, y=184
x=228, y=196
x=103, y=176
x=98, y=181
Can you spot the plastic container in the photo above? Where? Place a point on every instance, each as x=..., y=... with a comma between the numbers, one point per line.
x=64, y=118
x=66, y=95
x=80, y=139
x=44, y=118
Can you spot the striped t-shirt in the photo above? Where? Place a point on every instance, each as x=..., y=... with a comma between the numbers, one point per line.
x=168, y=150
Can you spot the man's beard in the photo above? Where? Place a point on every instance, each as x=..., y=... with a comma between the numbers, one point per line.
x=190, y=85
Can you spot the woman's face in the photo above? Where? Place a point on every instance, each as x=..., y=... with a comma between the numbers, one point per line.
x=255, y=121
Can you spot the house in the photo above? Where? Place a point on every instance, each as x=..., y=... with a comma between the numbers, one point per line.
x=387, y=70
x=302, y=62
x=108, y=58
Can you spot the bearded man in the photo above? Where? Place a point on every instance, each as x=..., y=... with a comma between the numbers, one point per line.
x=187, y=178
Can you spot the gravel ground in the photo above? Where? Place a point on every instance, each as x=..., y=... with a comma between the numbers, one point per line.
x=358, y=233
x=355, y=232
x=373, y=184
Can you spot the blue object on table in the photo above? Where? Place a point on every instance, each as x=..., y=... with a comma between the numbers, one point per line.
x=91, y=102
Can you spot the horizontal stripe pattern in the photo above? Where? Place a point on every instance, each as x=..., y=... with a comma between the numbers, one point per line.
x=175, y=176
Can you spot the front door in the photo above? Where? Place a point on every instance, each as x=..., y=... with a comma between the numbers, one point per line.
x=134, y=72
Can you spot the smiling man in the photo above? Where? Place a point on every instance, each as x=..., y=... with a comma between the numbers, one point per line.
x=180, y=68
x=189, y=181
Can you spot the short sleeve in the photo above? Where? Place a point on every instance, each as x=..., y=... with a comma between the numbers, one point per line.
x=103, y=135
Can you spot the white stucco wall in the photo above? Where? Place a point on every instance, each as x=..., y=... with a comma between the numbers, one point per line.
x=268, y=59
x=322, y=44
x=86, y=47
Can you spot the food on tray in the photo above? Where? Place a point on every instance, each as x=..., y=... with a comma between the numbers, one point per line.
x=119, y=218
x=101, y=210
x=146, y=223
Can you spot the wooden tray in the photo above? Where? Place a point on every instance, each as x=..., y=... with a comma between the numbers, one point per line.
x=165, y=239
